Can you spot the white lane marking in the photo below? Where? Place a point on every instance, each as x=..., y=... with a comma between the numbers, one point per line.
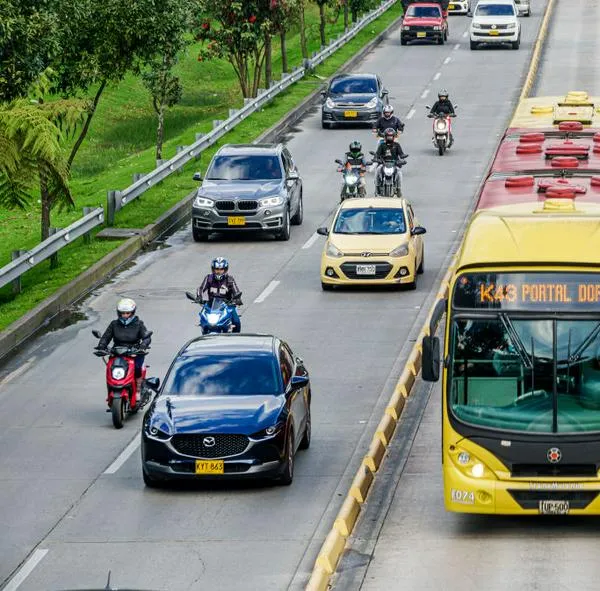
x=267, y=292
x=447, y=60
x=425, y=93
x=17, y=372
x=26, y=570
x=465, y=33
x=124, y=455
x=436, y=77
x=411, y=114
x=457, y=46
x=310, y=241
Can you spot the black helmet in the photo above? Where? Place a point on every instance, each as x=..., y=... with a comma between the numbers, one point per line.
x=443, y=94
x=355, y=148
x=389, y=134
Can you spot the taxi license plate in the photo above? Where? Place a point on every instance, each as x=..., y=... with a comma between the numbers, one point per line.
x=350, y=113
x=494, y=33
x=210, y=467
x=365, y=269
x=236, y=220
x=421, y=34
x=554, y=507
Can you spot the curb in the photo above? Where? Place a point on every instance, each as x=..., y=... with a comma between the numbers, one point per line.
x=330, y=553
x=26, y=327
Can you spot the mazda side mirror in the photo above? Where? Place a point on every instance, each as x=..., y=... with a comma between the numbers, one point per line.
x=323, y=231
x=418, y=230
x=197, y=176
x=153, y=383
x=299, y=381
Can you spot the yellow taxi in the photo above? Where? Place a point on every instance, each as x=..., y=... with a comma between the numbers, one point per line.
x=372, y=241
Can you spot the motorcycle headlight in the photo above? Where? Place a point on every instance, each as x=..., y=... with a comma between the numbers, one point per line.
x=440, y=125
x=388, y=170
x=213, y=317
x=372, y=103
x=329, y=104
x=400, y=251
x=333, y=251
x=351, y=179
x=270, y=201
x=118, y=373
x=203, y=202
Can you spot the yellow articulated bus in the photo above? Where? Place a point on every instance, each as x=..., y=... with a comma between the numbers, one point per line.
x=521, y=362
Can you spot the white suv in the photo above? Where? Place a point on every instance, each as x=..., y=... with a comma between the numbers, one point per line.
x=524, y=7
x=495, y=21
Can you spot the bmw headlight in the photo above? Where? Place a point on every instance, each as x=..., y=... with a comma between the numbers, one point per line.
x=270, y=202
x=400, y=251
x=203, y=202
x=329, y=104
x=118, y=373
x=372, y=103
x=333, y=251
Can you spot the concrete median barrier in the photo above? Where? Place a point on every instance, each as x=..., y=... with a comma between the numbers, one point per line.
x=361, y=484
x=331, y=551
x=347, y=516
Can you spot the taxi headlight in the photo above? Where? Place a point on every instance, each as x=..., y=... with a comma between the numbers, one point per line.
x=400, y=251
x=333, y=251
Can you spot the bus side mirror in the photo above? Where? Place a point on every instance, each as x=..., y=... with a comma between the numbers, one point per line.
x=430, y=367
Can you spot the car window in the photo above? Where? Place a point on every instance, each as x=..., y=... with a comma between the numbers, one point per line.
x=353, y=86
x=494, y=10
x=424, y=11
x=411, y=217
x=247, y=167
x=237, y=374
x=290, y=160
x=370, y=221
x=286, y=364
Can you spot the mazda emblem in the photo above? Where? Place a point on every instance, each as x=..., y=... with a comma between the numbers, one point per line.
x=554, y=455
x=208, y=442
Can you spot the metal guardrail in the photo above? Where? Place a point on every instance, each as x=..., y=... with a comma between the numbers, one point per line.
x=49, y=247
x=116, y=200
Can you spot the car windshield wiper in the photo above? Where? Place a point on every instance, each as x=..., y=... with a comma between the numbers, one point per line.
x=589, y=339
x=515, y=340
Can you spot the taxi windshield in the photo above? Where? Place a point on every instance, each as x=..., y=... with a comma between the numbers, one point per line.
x=370, y=220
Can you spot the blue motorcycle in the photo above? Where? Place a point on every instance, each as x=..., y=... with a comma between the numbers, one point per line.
x=215, y=317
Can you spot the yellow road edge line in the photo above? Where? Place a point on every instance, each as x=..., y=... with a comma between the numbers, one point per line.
x=335, y=543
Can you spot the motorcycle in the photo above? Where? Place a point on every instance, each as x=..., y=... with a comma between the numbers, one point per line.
x=352, y=175
x=390, y=171
x=215, y=318
x=122, y=397
x=442, y=130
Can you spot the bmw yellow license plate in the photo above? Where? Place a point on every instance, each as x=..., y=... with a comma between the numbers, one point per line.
x=236, y=220
x=210, y=467
x=421, y=34
x=492, y=32
x=350, y=113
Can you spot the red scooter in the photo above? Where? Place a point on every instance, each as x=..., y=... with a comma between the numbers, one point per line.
x=123, y=397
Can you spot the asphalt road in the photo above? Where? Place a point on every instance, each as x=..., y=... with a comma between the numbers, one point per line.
x=406, y=540
x=65, y=485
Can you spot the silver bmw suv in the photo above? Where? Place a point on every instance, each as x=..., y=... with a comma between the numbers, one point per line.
x=248, y=187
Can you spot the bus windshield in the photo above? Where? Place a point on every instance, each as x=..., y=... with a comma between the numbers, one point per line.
x=513, y=373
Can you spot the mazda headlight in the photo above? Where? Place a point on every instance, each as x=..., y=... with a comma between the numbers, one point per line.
x=400, y=251
x=118, y=373
x=372, y=103
x=271, y=431
x=203, y=202
x=270, y=202
x=329, y=104
x=158, y=431
x=333, y=251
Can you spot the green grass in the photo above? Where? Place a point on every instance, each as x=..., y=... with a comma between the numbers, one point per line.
x=121, y=142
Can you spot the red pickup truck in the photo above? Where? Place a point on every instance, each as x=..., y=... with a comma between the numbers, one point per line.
x=424, y=21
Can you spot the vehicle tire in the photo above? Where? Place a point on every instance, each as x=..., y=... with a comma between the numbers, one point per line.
x=327, y=124
x=516, y=44
x=326, y=286
x=285, y=232
x=403, y=41
x=421, y=267
x=287, y=475
x=150, y=481
x=474, y=45
x=118, y=412
x=305, y=443
x=441, y=40
x=299, y=215
x=528, y=13
x=199, y=235
x=441, y=148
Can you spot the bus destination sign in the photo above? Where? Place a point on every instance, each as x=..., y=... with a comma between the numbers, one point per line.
x=528, y=291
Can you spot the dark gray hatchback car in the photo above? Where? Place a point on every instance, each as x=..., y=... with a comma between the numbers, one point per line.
x=248, y=187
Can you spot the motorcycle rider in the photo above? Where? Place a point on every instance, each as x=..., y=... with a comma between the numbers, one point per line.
x=356, y=159
x=388, y=121
x=220, y=284
x=389, y=150
x=443, y=106
x=126, y=331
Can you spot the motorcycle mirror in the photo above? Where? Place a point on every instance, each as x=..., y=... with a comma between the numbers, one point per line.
x=428, y=107
x=97, y=334
x=153, y=383
x=189, y=296
x=323, y=231
x=372, y=153
x=339, y=162
x=197, y=176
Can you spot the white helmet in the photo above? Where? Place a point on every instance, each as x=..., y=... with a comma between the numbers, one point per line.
x=388, y=111
x=125, y=305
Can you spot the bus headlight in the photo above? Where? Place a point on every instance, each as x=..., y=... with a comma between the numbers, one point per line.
x=470, y=465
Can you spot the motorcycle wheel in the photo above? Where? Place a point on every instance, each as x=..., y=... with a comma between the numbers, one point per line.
x=441, y=147
x=118, y=412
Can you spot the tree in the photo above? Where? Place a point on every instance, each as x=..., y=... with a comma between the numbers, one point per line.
x=28, y=43
x=235, y=31
x=174, y=17
x=322, y=4
x=359, y=6
x=285, y=14
x=102, y=41
x=303, y=45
